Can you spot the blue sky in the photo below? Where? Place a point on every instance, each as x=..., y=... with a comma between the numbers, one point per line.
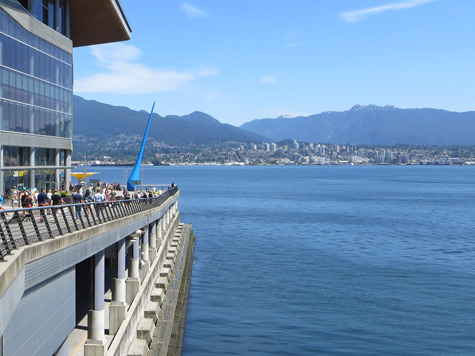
x=240, y=60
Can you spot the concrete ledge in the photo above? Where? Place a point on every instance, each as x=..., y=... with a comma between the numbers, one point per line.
x=169, y=331
x=169, y=264
x=138, y=348
x=157, y=295
x=117, y=313
x=162, y=282
x=95, y=349
x=133, y=287
x=151, y=310
x=126, y=335
x=145, y=330
x=166, y=272
x=152, y=252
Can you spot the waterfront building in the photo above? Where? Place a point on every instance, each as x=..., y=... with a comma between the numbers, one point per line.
x=37, y=38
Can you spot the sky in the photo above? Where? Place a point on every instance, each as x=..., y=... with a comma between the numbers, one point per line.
x=240, y=60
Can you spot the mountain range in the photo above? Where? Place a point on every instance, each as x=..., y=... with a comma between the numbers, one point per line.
x=104, y=121
x=373, y=125
x=369, y=125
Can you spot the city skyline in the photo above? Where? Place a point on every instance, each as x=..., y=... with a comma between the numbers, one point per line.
x=239, y=61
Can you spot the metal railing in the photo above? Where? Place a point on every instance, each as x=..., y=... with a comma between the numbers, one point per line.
x=20, y=227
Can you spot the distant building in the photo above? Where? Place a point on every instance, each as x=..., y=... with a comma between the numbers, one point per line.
x=36, y=77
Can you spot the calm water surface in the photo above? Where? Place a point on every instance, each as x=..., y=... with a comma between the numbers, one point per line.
x=337, y=260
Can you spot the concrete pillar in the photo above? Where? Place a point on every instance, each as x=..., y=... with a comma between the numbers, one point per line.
x=160, y=230
x=145, y=255
x=67, y=171
x=31, y=182
x=152, y=231
x=133, y=281
x=118, y=306
x=96, y=342
x=57, y=172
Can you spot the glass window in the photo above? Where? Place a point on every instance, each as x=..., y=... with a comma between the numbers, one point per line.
x=10, y=156
x=51, y=13
x=5, y=116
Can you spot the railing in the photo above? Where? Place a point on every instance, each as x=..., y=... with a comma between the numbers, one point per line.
x=20, y=227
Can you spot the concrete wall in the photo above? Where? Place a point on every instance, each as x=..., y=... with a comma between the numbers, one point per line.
x=44, y=317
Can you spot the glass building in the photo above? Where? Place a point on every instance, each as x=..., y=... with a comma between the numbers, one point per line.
x=37, y=38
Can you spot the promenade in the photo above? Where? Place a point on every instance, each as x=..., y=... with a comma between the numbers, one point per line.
x=136, y=251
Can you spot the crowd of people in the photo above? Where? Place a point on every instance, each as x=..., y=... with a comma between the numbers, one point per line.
x=99, y=192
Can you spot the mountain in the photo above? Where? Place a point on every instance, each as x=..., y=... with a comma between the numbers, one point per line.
x=103, y=121
x=373, y=125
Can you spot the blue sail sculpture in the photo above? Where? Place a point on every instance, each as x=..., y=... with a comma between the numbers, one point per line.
x=135, y=175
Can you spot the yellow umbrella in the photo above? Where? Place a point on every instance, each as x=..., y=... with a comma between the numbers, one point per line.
x=80, y=176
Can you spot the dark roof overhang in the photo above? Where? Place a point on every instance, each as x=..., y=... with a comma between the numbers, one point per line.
x=95, y=22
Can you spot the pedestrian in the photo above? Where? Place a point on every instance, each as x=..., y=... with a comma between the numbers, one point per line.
x=42, y=201
x=78, y=199
x=57, y=200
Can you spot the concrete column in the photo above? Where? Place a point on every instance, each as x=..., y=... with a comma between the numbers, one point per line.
x=57, y=172
x=32, y=171
x=133, y=281
x=160, y=229
x=145, y=255
x=164, y=226
x=96, y=342
x=118, y=306
x=152, y=231
x=67, y=171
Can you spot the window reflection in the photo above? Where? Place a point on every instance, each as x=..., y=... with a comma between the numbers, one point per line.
x=16, y=156
x=35, y=81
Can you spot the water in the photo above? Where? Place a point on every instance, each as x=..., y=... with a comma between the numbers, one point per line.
x=328, y=260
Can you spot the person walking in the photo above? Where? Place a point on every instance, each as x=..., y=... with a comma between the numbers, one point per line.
x=42, y=201
x=78, y=199
x=57, y=200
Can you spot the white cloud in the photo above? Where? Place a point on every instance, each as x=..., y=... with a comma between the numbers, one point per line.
x=122, y=73
x=355, y=16
x=193, y=11
x=269, y=79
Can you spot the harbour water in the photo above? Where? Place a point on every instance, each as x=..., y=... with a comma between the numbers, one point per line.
x=327, y=260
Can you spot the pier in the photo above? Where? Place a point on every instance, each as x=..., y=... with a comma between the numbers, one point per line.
x=106, y=281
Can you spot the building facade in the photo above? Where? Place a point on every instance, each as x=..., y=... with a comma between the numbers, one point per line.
x=37, y=38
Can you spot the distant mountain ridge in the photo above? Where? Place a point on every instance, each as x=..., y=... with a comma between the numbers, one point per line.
x=373, y=125
x=103, y=121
